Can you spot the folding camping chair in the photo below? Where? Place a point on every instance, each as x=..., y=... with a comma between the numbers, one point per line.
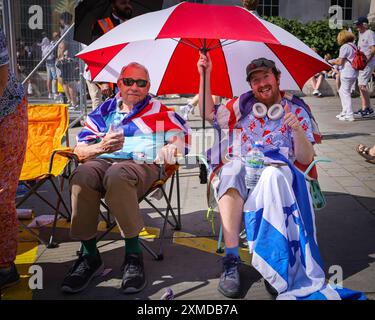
x=172, y=174
x=46, y=158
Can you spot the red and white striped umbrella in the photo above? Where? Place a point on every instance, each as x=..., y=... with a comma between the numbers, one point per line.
x=168, y=41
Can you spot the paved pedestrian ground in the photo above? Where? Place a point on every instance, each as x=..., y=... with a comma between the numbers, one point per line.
x=191, y=266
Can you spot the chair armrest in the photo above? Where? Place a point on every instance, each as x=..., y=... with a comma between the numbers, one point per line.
x=64, y=152
x=315, y=161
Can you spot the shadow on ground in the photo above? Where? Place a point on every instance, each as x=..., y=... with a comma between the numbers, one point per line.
x=345, y=233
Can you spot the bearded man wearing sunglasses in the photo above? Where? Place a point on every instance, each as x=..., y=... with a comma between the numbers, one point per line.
x=285, y=127
x=121, y=147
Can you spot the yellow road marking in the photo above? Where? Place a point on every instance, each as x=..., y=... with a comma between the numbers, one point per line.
x=26, y=256
x=205, y=244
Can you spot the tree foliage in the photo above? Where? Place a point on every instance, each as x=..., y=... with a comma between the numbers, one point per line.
x=315, y=34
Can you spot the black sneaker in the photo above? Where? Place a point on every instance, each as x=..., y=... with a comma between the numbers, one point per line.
x=229, y=284
x=133, y=279
x=9, y=276
x=270, y=289
x=83, y=270
x=368, y=112
x=358, y=114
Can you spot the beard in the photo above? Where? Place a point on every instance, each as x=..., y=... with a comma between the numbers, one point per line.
x=125, y=14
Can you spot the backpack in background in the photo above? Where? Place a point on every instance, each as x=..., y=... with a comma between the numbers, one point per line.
x=359, y=61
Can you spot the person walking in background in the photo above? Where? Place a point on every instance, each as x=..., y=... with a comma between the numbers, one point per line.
x=25, y=65
x=348, y=74
x=121, y=12
x=189, y=108
x=46, y=46
x=316, y=81
x=67, y=62
x=93, y=88
x=366, y=43
x=366, y=152
x=13, y=137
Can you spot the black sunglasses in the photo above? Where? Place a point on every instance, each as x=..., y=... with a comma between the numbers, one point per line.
x=129, y=82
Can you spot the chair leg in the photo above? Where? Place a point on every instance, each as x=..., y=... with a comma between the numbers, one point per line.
x=61, y=199
x=178, y=199
x=33, y=190
x=62, y=179
x=159, y=212
x=33, y=233
x=219, y=247
x=53, y=244
x=157, y=257
x=169, y=208
x=168, y=200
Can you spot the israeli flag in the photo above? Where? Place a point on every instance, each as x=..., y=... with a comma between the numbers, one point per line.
x=280, y=227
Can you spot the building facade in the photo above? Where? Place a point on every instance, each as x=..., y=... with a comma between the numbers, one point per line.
x=304, y=11
x=31, y=20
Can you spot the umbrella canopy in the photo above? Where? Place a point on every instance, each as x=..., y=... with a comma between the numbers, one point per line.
x=88, y=12
x=233, y=36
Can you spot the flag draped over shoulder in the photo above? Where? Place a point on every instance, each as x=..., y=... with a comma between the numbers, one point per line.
x=280, y=229
x=147, y=117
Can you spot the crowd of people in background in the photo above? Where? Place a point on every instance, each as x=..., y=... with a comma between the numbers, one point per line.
x=347, y=78
x=61, y=66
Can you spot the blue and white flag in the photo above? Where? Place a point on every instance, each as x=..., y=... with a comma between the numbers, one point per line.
x=280, y=227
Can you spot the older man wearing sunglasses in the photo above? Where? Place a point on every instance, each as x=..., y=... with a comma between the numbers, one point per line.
x=287, y=131
x=121, y=146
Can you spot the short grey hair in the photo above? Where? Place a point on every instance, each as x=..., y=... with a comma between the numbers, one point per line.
x=137, y=65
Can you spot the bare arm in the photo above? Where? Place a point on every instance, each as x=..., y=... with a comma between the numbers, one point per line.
x=204, y=63
x=303, y=148
x=112, y=142
x=372, y=53
x=3, y=78
x=171, y=151
x=338, y=61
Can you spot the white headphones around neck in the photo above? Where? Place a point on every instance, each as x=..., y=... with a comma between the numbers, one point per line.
x=275, y=112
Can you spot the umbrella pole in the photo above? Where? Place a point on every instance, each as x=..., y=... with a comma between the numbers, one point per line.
x=202, y=167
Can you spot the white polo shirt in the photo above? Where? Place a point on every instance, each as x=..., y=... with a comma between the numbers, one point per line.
x=365, y=41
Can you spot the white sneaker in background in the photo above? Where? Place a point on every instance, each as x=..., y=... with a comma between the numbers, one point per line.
x=50, y=96
x=188, y=109
x=341, y=114
x=29, y=89
x=349, y=118
x=73, y=107
x=185, y=115
x=192, y=110
x=315, y=92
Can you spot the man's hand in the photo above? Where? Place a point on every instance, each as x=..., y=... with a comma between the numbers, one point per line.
x=167, y=154
x=291, y=120
x=204, y=62
x=106, y=89
x=113, y=141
